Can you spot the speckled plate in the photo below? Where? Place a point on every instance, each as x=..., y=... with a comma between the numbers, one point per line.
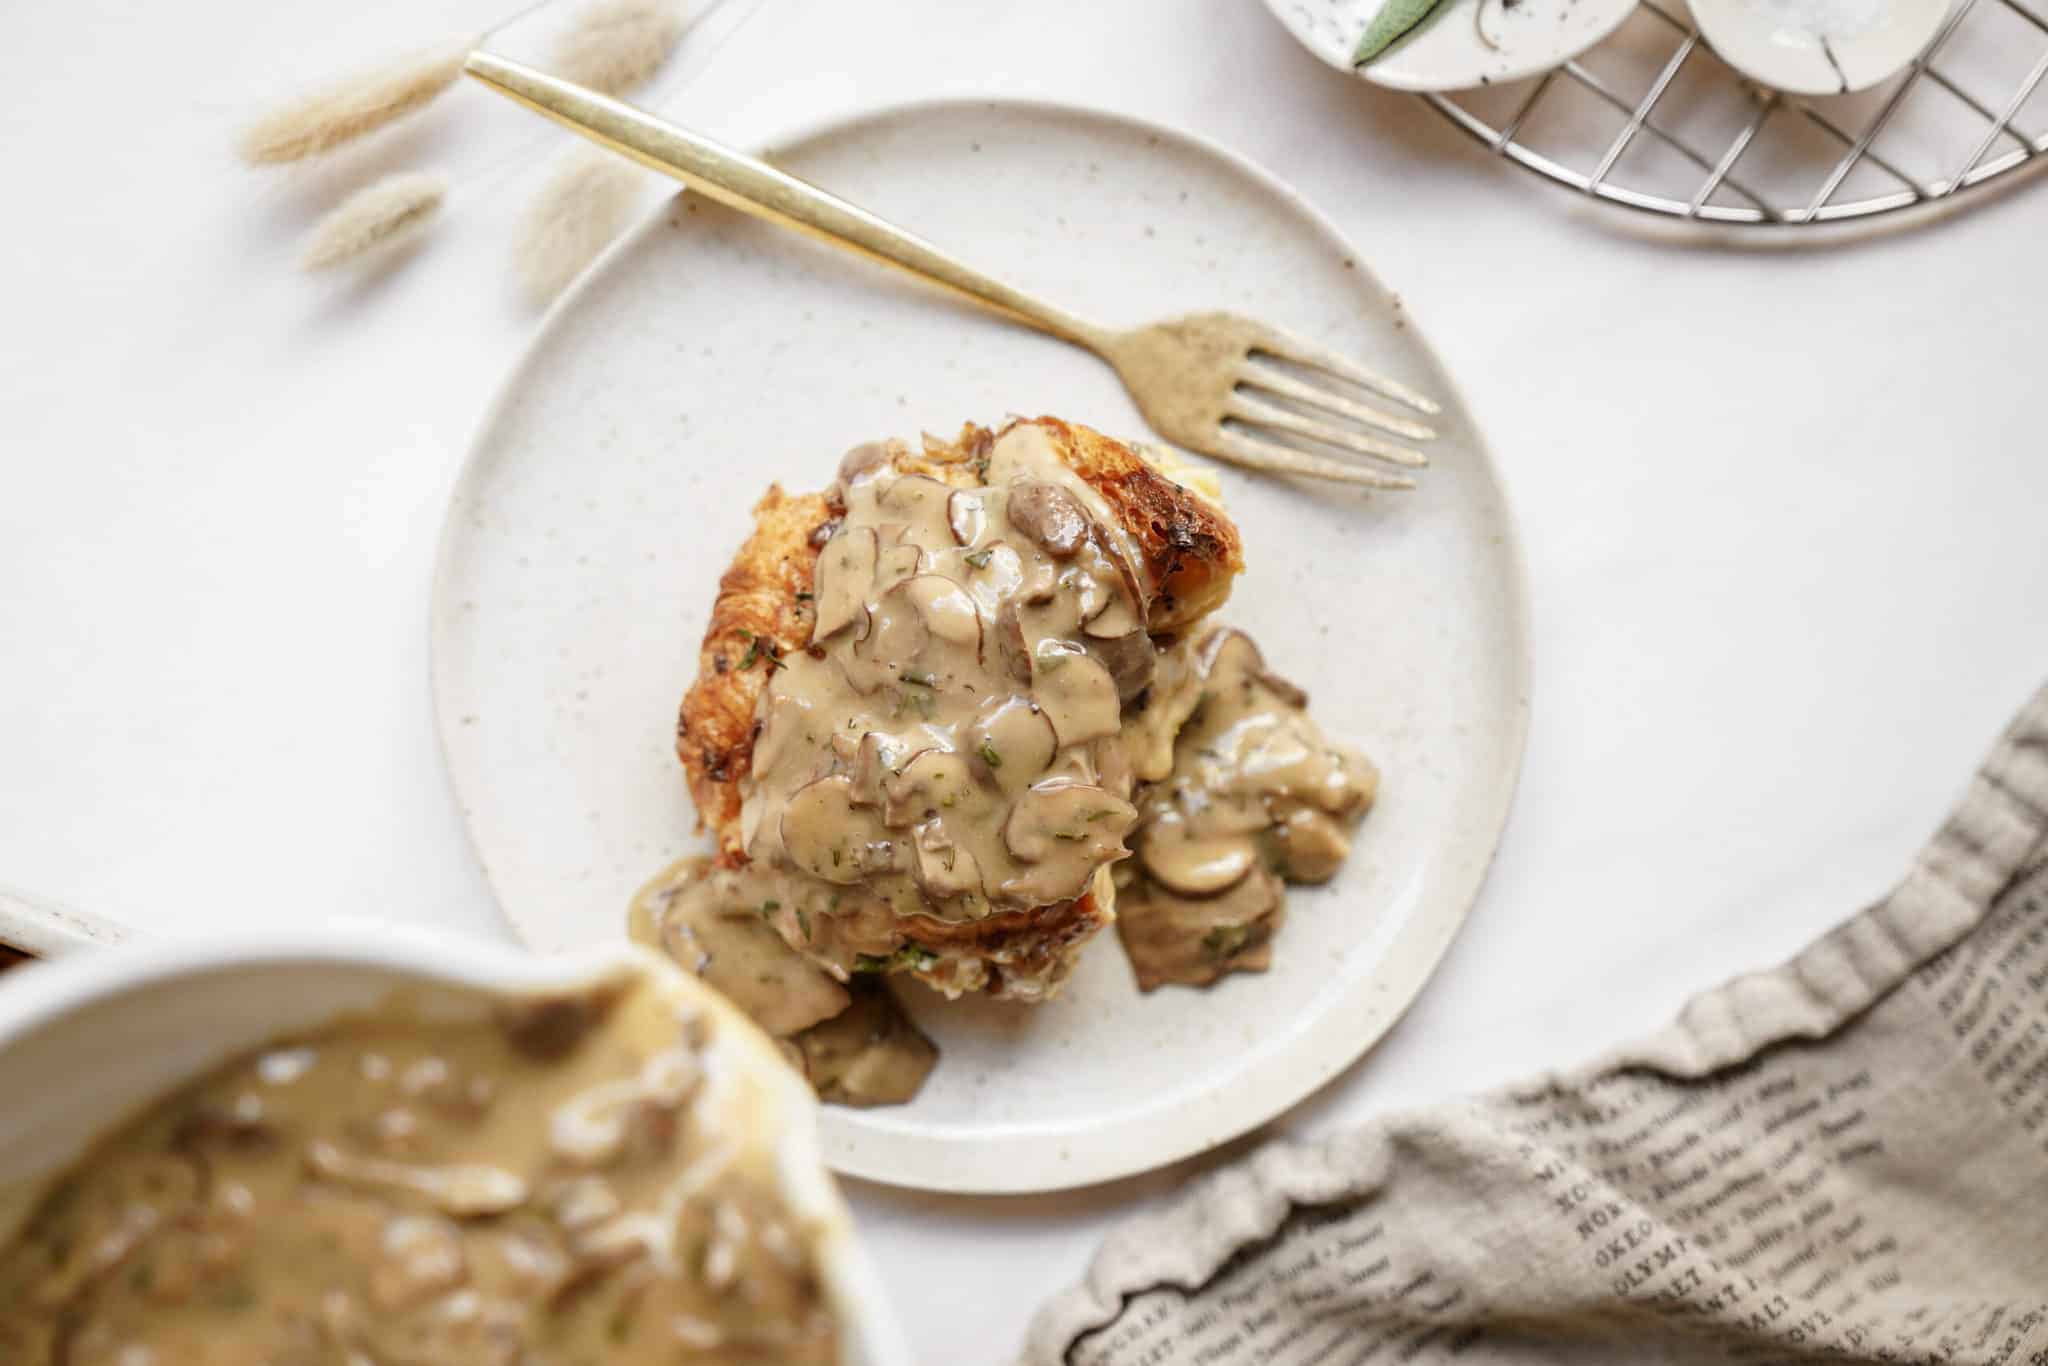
x=707, y=355
x=1463, y=44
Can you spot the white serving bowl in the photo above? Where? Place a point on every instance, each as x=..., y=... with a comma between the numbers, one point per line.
x=89, y=1041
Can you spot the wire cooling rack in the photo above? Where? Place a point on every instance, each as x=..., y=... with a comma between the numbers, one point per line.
x=1652, y=119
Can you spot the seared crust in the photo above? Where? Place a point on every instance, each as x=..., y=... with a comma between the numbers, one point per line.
x=1190, y=552
x=757, y=617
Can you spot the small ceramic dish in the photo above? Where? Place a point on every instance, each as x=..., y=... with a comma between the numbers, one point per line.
x=97, y=1037
x=1463, y=44
x=1818, y=47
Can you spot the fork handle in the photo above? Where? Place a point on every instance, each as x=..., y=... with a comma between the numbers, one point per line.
x=754, y=187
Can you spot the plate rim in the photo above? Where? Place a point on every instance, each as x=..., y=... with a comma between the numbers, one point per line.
x=1121, y=1148
x=1287, y=12
x=42, y=928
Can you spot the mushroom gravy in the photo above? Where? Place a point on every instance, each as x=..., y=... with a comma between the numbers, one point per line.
x=1243, y=792
x=567, y=1182
x=947, y=747
x=853, y=1043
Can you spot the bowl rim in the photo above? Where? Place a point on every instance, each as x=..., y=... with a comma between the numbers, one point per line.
x=44, y=992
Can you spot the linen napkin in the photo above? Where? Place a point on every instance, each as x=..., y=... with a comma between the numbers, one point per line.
x=1844, y=1158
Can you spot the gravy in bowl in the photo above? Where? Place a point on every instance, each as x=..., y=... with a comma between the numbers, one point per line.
x=544, y=1185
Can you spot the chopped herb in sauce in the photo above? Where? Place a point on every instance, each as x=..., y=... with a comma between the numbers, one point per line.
x=1226, y=941
x=911, y=956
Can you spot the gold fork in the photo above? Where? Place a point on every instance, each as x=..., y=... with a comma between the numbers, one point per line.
x=1217, y=383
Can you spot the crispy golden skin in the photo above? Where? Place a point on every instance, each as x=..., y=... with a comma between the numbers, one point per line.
x=1190, y=552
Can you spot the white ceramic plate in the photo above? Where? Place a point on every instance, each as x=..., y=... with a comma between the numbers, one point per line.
x=1465, y=43
x=707, y=355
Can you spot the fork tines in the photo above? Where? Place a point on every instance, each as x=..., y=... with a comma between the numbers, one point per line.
x=1312, y=407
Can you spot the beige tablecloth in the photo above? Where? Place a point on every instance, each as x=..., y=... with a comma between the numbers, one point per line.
x=1844, y=1158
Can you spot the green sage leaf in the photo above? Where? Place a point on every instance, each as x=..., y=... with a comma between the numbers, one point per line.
x=1394, y=19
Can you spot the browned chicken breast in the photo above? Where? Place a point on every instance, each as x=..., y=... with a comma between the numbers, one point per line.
x=908, y=725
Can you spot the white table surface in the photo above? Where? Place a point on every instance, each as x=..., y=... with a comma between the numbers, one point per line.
x=1782, y=514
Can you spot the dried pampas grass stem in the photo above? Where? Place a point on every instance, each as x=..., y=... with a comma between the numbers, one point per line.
x=580, y=210
x=347, y=111
x=374, y=218
x=614, y=45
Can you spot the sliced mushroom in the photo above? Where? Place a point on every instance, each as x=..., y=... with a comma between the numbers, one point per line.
x=1113, y=769
x=917, y=495
x=1289, y=693
x=1013, y=653
x=845, y=572
x=421, y=1256
x=1049, y=515
x=932, y=783
x=948, y=610
x=1038, y=582
x=1194, y=864
x=895, y=645
x=1195, y=940
x=1105, y=608
x=895, y=563
x=1122, y=612
x=1354, y=787
x=914, y=510
x=1065, y=830
x=1131, y=660
x=782, y=730
x=741, y=955
x=1079, y=696
x=942, y=867
x=1219, y=812
x=1013, y=741
x=874, y=759
x=865, y=458
x=592, y=1127
x=825, y=835
x=1309, y=846
x=551, y=1027
x=1118, y=617
x=583, y=1202
x=871, y=1055
x=462, y=1189
x=966, y=515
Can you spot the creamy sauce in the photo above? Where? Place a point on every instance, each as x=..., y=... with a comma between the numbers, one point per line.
x=947, y=746
x=1244, y=791
x=869, y=1054
x=856, y=1047
x=538, y=1188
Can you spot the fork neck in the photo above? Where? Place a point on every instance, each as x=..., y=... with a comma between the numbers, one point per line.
x=1033, y=312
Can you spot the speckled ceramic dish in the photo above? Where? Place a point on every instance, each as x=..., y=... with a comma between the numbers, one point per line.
x=1465, y=43
x=708, y=355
